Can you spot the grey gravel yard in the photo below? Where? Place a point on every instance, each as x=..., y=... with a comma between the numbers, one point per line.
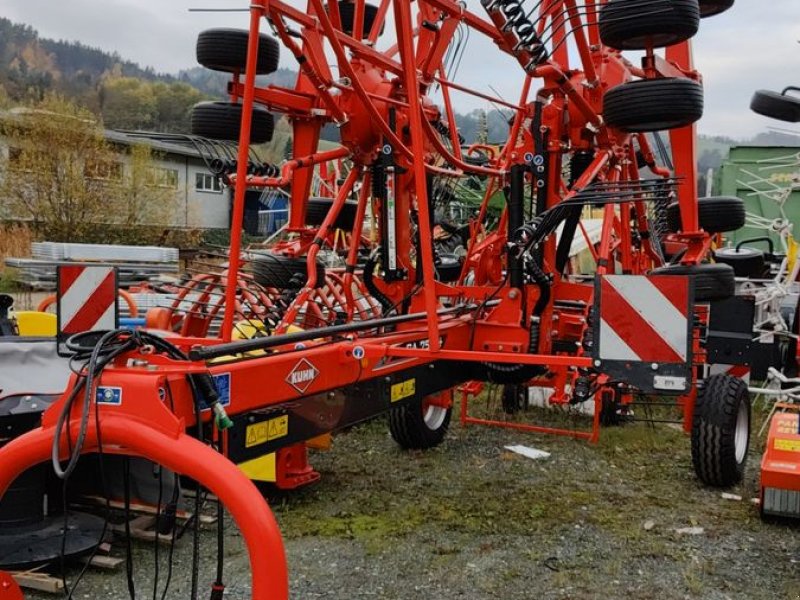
x=470, y=520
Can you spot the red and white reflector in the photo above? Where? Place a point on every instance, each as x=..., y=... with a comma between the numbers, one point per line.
x=87, y=299
x=740, y=371
x=644, y=319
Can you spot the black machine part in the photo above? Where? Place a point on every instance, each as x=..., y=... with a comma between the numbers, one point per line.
x=28, y=536
x=730, y=331
x=8, y=326
x=40, y=542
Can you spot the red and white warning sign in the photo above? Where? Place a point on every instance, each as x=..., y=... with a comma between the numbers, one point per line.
x=87, y=298
x=740, y=371
x=644, y=319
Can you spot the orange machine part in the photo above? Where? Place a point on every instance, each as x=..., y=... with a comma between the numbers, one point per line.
x=780, y=467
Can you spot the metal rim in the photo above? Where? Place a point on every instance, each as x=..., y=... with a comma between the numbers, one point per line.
x=742, y=433
x=434, y=416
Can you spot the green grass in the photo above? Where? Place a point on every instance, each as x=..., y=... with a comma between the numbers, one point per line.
x=8, y=284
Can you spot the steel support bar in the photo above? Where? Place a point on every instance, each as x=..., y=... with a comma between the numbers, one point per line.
x=581, y=435
x=237, y=215
x=405, y=42
x=208, y=352
x=684, y=148
x=499, y=357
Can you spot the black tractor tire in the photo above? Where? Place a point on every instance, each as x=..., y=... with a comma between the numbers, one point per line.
x=776, y=106
x=347, y=14
x=711, y=281
x=414, y=430
x=746, y=262
x=282, y=272
x=514, y=398
x=721, y=430
x=223, y=49
x=716, y=214
x=653, y=104
x=709, y=8
x=448, y=269
x=476, y=158
x=318, y=208
x=627, y=25
x=222, y=120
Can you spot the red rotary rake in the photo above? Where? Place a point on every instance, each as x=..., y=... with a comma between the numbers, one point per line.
x=401, y=335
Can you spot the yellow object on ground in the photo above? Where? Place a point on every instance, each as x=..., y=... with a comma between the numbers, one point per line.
x=32, y=323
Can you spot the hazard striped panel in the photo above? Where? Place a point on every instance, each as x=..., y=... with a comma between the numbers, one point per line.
x=87, y=299
x=740, y=371
x=644, y=319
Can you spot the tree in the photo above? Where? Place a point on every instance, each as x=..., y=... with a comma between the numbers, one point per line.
x=128, y=103
x=146, y=194
x=173, y=104
x=483, y=128
x=288, y=149
x=52, y=149
x=64, y=178
x=5, y=101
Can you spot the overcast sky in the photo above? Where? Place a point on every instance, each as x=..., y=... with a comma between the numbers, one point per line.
x=752, y=46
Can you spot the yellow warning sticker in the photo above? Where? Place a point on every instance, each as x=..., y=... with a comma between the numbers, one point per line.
x=266, y=431
x=787, y=445
x=404, y=389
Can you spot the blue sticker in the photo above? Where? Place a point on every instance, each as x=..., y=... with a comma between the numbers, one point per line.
x=109, y=395
x=223, y=385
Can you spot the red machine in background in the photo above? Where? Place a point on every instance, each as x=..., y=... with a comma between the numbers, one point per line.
x=399, y=335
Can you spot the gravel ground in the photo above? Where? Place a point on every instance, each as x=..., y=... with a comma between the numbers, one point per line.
x=469, y=520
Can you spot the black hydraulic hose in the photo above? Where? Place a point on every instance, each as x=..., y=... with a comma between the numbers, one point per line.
x=541, y=279
x=516, y=207
x=369, y=283
x=126, y=473
x=231, y=348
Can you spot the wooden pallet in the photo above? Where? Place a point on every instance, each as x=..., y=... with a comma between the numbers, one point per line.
x=37, y=579
x=143, y=528
x=146, y=509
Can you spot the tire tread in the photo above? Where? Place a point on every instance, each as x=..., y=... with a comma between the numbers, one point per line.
x=408, y=428
x=714, y=429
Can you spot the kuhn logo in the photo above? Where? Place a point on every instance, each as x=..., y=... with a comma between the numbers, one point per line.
x=301, y=377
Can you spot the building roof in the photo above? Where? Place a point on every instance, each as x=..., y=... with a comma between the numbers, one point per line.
x=160, y=142
x=166, y=143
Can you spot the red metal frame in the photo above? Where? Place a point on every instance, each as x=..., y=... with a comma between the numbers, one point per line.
x=381, y=98
x=9, y=590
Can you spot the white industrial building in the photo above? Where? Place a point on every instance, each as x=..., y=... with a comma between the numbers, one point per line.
x=201, y=202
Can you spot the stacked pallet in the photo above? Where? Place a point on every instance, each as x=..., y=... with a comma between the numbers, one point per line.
x=135, y=263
